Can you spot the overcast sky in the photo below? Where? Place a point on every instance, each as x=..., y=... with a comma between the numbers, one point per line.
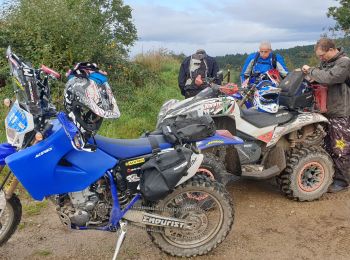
x=227, y=26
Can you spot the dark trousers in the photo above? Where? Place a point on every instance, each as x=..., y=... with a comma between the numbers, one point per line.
x=337, y=144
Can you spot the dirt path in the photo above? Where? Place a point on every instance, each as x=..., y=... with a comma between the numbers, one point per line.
x=267, y=226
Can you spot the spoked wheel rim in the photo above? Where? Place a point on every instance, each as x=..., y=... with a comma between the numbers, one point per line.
x=205, y=217
x=6, y=220
x=311, y=176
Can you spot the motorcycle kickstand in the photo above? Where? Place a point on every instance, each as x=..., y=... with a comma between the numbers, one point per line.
x=121, y=236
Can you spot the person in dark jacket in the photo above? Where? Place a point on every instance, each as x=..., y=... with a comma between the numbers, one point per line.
x=263, y=61
x=194, y=69
x=334, y=71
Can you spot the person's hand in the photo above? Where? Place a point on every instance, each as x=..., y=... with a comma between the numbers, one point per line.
x=198, y=81
x=306, y=69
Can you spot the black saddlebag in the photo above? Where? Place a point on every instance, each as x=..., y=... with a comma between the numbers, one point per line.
x=296, y=92
x=185, y=128
x=163, y=171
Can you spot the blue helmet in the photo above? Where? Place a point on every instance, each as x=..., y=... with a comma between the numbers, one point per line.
x=266, y=97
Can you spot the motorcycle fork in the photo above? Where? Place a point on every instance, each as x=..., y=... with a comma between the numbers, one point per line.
x=13, y=184
x=12, y=188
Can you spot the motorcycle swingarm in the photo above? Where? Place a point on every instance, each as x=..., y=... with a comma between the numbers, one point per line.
x=149, y=219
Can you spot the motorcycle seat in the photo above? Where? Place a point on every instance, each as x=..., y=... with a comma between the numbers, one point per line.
x=262, y=119
x=128, y=148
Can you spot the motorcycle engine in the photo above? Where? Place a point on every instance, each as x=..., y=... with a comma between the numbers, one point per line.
x=88, y=207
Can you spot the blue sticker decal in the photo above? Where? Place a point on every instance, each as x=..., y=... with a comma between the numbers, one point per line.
x=17, y=119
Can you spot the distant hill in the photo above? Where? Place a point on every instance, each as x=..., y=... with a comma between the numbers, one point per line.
x=294, y=57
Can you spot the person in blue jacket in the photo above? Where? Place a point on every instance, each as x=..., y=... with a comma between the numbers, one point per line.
x=262, y=61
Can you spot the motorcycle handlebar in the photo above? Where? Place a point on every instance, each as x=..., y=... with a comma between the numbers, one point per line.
x=50, y=72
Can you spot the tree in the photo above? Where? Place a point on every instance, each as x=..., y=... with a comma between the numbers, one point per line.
x=62, y=32
x=341, y=14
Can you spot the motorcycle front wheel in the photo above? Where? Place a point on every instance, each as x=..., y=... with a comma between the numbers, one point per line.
x=10, y=218
x=211, y=218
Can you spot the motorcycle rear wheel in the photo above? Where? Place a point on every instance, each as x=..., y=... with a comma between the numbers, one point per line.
x=10, y=218
x=212, y=217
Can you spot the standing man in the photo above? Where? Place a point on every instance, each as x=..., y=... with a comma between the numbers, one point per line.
x=334, y=71
x=263, y=61
x=194, y=69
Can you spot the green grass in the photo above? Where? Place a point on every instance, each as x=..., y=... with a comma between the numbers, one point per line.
x=43, y=252
x=33, y=208
x=140, y=107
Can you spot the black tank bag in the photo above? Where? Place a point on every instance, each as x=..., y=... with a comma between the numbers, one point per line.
x=187, y=128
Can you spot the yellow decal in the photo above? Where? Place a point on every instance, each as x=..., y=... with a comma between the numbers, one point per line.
x=133, y=162
x=340, y=144
x=18, y=83
x=215, y=142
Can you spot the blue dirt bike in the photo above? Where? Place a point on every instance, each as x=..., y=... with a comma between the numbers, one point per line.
x=102, y=183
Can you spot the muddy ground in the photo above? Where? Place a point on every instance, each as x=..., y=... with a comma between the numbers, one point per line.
x=267, y=226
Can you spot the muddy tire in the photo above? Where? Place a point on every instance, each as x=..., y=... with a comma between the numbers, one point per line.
x=308, y=174
x=214, y=168
x=212, y=218
x=316, y=139
x=10, y=218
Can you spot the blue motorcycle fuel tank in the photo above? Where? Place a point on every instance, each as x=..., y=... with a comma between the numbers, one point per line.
x=53, y=166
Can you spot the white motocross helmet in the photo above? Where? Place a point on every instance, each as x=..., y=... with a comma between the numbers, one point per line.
x=266, y=97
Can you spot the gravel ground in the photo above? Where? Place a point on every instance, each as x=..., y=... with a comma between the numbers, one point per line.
x=267, y=226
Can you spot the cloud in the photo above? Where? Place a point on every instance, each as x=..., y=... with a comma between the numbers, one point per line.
x=227, y=26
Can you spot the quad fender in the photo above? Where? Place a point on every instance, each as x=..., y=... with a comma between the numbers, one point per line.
x=298, y=123
x=225, y=122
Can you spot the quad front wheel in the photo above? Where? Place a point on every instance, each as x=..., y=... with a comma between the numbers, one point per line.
x=308, y=174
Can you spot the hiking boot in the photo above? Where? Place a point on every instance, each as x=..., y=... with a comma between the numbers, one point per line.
x=337, y=186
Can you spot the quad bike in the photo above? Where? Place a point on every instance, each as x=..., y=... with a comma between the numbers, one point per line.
x=286, y=145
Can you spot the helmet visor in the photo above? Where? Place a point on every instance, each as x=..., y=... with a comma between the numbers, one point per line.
x=101, y=101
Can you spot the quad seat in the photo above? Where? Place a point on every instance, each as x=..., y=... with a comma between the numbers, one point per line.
x=262, y=119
